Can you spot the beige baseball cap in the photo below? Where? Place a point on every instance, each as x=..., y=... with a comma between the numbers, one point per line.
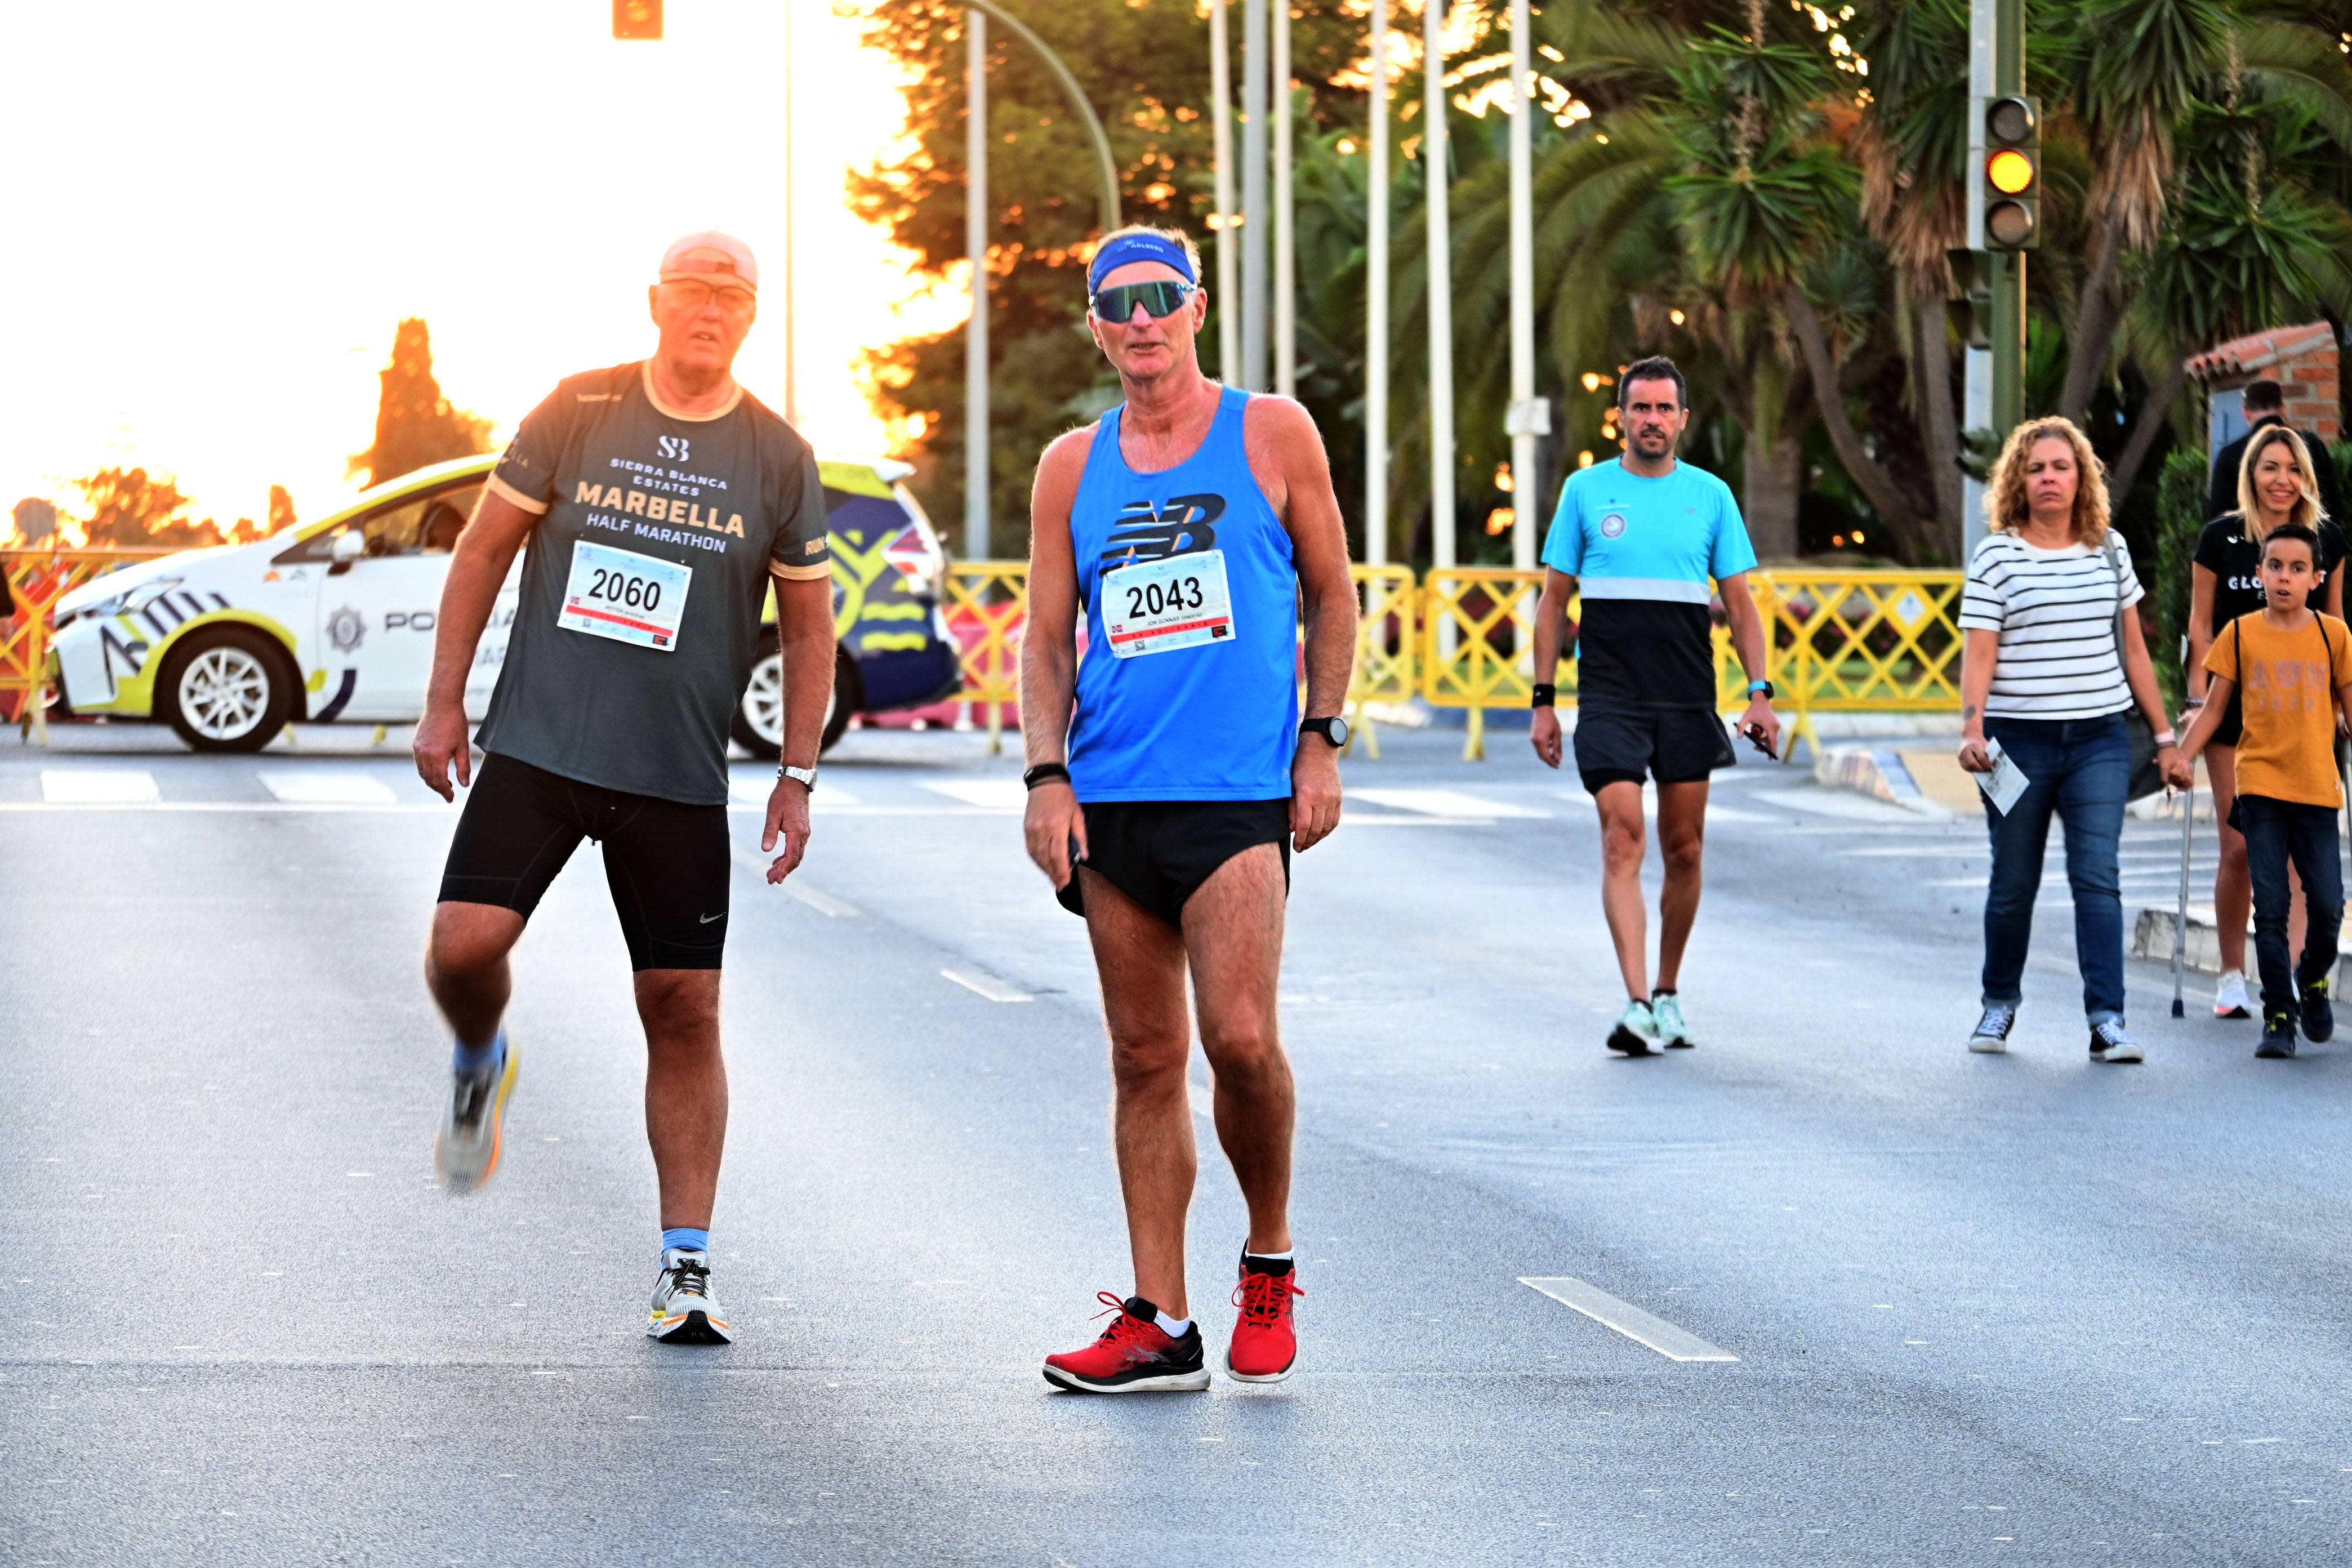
x=710, y=255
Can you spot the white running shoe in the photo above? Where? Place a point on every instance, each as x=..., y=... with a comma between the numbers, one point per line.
x=685, y=1310
x=2230, y=995
x=1667, y=1009
x=1636, y=1032
x=465, y=1153
x=1991, y=1036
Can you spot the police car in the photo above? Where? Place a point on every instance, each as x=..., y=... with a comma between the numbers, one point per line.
x=333, y=620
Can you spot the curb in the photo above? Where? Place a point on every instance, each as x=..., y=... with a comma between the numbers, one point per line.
x=1878, y=772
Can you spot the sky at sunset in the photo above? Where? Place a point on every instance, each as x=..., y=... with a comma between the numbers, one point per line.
x=215, y=213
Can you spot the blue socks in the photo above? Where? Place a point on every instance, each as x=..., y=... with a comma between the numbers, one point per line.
x=468, y=1058
x=686, y=1238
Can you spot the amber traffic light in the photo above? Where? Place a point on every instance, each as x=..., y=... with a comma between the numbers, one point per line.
x=2012, y=174
x=637, y=19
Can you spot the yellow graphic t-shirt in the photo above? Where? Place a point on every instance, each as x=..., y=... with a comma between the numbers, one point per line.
x=2286, y=683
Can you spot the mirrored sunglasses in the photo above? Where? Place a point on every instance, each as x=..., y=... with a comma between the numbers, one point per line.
x=1159, y=299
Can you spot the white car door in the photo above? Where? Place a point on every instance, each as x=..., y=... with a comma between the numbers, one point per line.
x=376, y=613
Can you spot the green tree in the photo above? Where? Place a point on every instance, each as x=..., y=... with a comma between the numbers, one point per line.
x=1144, y=65
x=128, y=506
x=415, y=423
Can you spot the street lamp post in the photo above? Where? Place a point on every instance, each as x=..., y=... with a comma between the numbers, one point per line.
x=1221, y=136
x=975, y=240
x=1285, y=259
x=1529, y=415
x=1441, y=284
x=1253, y=214
x=1376, y=301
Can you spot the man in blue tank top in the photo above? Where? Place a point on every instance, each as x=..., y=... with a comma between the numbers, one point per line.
x=1170, y=776
x=1642, y=535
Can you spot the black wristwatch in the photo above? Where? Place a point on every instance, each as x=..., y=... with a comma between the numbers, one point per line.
x=1760, y=689
x=1333, y=730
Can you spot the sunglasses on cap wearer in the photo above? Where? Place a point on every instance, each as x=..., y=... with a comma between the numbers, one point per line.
x=734, y=299
x=1160, y=298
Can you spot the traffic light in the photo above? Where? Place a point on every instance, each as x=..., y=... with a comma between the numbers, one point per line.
x=2012, y=195
x=637, y=19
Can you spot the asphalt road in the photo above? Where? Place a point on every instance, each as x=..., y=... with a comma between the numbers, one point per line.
x=1985, y=1310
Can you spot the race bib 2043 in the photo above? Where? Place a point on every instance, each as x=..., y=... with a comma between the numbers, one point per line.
x=619, y=593
x=1160, y=607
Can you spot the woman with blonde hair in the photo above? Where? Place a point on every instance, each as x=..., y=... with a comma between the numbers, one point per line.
x=2053, y=661
x=2276, y=484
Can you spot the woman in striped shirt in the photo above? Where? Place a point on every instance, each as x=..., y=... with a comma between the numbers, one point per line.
x=2053, y=662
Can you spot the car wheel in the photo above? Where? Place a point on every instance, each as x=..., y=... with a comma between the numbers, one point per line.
x=224, y=690
x=759, y=723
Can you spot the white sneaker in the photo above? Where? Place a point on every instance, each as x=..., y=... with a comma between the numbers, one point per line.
x=466, y=1152
x=1991, y=1036
x=2230, y=997
x=685, y=1310
x=1667, y=1010
x=1636, y=1032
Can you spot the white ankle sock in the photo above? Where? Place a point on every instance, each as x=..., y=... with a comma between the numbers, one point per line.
x=1282, y=1257
x=1174, y=1328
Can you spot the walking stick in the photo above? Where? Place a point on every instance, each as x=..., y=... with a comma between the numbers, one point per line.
x=2180, y=910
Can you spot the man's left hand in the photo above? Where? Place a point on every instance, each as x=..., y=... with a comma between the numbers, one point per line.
x=1313, y=793
x=788, y=816
x=1760, y=717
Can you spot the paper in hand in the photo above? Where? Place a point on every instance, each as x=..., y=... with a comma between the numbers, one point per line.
x=2005, y=782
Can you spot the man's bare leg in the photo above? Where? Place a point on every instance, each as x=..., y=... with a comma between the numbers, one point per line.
x=1233, y=934
x=1140, y=961
x=686, y=1090
x=466, y=967
x=1681, y=841
x=1622, y=843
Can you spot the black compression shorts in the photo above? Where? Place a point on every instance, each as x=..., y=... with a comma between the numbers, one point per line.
x=1158, y=852
x=1674, y=745
x=667, y=862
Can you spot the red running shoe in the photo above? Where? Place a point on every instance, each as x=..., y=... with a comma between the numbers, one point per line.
x=1265, y=1345
x=1135, y=1355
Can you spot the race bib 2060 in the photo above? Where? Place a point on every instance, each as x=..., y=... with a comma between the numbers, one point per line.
x=628, y=597
x=1159, y=606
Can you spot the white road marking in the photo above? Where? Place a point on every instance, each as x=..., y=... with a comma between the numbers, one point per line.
x=1650, y=805
x=316, y=786
x=1674, y=1343
x=1203, y=1098
x=817, y=899
x=1445, y=802
x=996, y=793
x=753, y=789
x=986, y=984
x=98, y=786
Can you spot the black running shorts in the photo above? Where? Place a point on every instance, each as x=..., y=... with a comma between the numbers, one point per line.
x=1158, y=852
x=667, y=862
x=1673, y=746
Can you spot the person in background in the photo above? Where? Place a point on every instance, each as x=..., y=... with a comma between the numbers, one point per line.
x=2276, y=484
x=2265, y=406
x=2053, y=661
x=2291, y=670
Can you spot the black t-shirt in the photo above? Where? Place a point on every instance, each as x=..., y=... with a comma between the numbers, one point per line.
x=2235, y=559
x=643, y=580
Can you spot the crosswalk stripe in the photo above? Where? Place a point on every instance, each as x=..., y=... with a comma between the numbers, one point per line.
x=98, y=786
x=1445, y=802
x=1674, y=1343
x=997, y=792
x=319, y=787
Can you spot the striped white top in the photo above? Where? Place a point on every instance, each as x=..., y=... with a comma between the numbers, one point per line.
x=2055, y=611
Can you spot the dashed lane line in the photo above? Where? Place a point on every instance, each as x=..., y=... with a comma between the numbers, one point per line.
x=1674, y=1343
x=817, y=899
x=986, y=984
x=98, y=786
x=321, y=786
x=1445, y=802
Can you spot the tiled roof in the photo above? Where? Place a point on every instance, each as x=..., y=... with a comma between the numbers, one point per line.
x=2259, y=350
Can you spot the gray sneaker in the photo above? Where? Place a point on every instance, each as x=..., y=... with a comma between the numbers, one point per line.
x=1991, y=1036
x=1636, y=1032
x=685, y=1312
x=1667, y=1009
x=467, y=1151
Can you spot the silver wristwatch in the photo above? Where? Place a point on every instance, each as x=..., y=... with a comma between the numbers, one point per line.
x=806, y=776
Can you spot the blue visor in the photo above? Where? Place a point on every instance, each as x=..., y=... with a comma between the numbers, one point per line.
x=1130, y=248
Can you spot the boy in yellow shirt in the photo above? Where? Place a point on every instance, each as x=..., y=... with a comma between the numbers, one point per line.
x=2293, y=667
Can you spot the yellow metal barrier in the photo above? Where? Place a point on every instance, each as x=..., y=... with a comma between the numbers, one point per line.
x=1882, y=640
x=1475, y=641
x=1388, y=607
x=987, y=603
x=36, y=578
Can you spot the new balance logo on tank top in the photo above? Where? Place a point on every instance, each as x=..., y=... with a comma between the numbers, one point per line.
x=1641, y=551
x=1188, y=689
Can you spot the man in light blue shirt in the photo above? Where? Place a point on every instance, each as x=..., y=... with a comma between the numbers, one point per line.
x=1642, y=535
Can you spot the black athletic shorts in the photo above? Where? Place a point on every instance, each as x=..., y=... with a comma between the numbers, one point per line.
x=1158, y=852
x=1673, y=746
x=667, y=862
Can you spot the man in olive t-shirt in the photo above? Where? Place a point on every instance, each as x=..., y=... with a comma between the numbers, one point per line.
x=655, y=503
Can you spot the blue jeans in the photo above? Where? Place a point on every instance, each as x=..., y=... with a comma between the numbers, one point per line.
x=2277, y=831
x=2080, y=769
